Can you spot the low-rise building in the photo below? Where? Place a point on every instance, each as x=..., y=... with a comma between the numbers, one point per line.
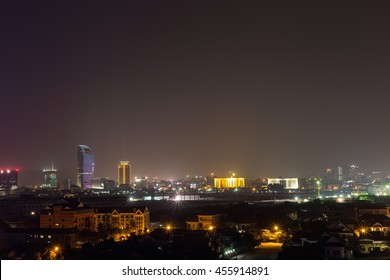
x=368, y=246
x=123, y=218
x=373, y=210
x=72, y=214
x=205, y=222
x=67, y=214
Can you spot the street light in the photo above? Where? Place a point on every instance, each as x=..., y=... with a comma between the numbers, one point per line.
x=55, y=252
x=363, y=231
x=278, y=232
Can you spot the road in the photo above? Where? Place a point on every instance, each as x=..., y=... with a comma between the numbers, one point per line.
x=267, y=251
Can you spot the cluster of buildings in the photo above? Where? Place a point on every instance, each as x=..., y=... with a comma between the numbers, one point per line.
x=85, y=175
x=342, y=178
x=8, y=180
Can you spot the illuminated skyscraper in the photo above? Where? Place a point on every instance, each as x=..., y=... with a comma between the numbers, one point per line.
x=85, y=166
x=124, y=173
x=50, y=178
x=8, y=180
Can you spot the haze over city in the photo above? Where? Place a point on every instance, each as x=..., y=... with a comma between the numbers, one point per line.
x=286, y=88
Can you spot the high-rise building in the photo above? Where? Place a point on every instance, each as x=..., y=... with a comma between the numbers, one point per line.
x=341, y=173
x=50, y=178
x=8, y=180
x=353, y=173
x=124, y=173
x=85, y=166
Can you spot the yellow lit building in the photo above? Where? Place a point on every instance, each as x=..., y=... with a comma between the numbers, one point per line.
x=227, y=183
x=124, y=173
x=135, y=220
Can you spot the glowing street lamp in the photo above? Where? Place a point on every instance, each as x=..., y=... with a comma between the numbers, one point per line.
x=55, y=252
x=363, y=231
x=278, y=232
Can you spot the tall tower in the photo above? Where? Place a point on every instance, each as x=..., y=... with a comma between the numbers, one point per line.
x=85, y=166
x=50, y=178
x=124, y=173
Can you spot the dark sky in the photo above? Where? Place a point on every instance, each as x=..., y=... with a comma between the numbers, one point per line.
x=264, y=88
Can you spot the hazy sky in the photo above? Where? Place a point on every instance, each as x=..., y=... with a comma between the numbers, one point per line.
x=264, y=88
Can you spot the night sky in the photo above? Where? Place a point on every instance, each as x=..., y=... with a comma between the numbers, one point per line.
x=264, y=88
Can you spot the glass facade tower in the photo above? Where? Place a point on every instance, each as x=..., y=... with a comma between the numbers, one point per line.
x=85, y=166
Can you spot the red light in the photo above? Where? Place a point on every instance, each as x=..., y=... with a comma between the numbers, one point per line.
x=17, y=169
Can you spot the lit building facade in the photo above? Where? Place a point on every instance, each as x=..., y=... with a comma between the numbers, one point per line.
x=205, y=222
x=135, y=220
x=85, y=166
x=73, y=214
x=8, y=180
x=141, y=183
x=51, y=179
x=288, y=183
x=67, y=214
x=231, y=182
x=103, y=184
x=124, y=173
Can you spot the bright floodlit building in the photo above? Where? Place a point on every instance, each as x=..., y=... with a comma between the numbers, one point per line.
x=85, y=166
x=288, y=183
x=122, y=218
x=231, y=182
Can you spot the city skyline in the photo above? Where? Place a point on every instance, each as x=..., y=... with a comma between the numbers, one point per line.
x=347, y=170
x=265, y=89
